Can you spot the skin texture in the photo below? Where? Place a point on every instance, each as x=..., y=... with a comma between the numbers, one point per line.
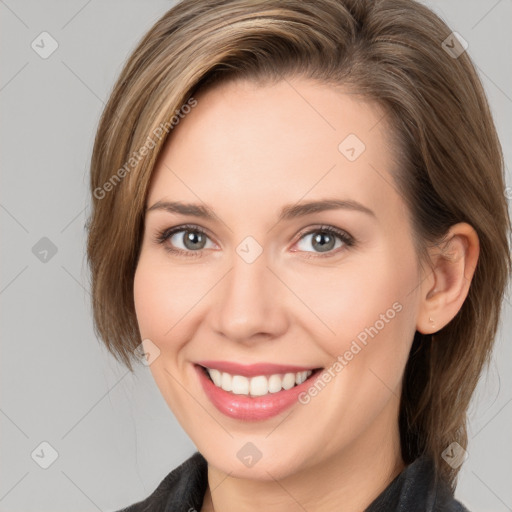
x=246, y=151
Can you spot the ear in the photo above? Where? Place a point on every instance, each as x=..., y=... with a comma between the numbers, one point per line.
x=445, y=285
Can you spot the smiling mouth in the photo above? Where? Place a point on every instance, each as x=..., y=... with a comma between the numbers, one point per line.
x=258, y=385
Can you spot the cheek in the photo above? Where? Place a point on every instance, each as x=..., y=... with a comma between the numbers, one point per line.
x=365, y=311
x=162, y=300
x=150, y=301
x=372, y=314
x=163, y=295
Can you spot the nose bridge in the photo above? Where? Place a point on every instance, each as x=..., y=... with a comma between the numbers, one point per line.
x=248, y=302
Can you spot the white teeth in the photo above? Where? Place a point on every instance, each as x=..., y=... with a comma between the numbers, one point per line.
x=275, y=383
x=259, y=385
x=301, y=377
x=240, y=385
x=216, y=376
x=225, y=382
x=289, y=381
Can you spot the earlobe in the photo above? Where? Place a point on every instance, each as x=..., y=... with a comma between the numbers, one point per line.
x=453, y=264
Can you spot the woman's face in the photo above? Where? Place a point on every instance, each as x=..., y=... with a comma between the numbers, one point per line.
x=262, y=282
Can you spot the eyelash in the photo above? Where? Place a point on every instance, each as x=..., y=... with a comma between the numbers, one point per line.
x=163, y=235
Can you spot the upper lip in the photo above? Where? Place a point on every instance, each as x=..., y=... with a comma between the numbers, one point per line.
x=251, y=370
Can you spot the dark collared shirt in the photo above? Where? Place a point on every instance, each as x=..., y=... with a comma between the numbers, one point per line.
x=413, y=490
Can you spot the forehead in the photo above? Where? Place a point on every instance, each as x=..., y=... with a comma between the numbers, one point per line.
x=246, y=145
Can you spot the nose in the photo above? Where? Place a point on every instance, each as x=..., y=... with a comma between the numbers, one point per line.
x=250, y=302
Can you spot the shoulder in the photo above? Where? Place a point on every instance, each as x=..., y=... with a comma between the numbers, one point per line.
x=184, y=486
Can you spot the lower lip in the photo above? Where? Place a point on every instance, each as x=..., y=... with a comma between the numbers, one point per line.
x=243, y=407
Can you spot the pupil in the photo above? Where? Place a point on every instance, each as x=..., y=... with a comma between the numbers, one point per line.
x=193, y=239
x=324, y=245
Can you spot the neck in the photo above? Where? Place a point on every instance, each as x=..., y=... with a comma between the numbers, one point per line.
x=349, y=480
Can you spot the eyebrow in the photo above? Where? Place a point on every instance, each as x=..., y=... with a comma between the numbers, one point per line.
x=287, y=213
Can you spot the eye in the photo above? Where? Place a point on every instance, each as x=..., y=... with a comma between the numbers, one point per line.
x=324, y=239
x=188, y=240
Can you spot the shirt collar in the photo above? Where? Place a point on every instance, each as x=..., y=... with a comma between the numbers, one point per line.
x=416, y=489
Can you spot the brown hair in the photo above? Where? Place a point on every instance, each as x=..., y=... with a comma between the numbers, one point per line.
x=389, y=51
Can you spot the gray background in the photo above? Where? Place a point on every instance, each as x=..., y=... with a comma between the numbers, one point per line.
x=115, y=436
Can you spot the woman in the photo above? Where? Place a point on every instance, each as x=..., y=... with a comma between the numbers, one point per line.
x=299, y=223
